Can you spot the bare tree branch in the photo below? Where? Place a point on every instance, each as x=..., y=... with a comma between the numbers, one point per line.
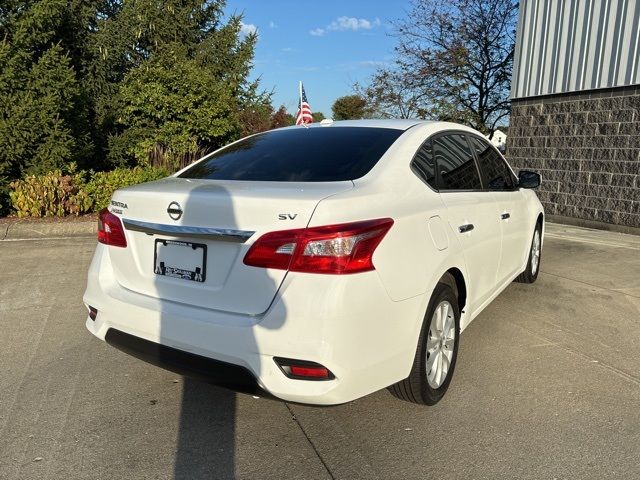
x=453, y=61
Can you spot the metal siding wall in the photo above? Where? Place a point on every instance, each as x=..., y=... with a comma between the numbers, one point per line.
x=572, y=45
x=635, y=34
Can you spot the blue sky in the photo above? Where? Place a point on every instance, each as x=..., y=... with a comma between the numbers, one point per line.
x=327, y=44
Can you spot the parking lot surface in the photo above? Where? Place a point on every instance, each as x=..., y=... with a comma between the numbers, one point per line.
x=547, y=386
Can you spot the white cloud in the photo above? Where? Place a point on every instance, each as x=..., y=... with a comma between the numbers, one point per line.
x=273, y=24
x=247, y=29
x=372, y=63
x=352, y=23
x=342, y=24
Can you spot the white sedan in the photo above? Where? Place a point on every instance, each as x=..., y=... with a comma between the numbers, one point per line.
x=317, y=264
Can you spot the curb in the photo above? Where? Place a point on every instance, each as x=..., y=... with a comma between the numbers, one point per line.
x=592, y=236
x=34, y=229
x=592, y=224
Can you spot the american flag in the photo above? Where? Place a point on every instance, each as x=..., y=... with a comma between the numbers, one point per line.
x=304, y=112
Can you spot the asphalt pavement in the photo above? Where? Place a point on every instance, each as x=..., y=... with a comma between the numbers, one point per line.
x=547, y=386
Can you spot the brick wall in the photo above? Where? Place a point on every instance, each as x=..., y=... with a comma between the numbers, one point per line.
x=587, y=147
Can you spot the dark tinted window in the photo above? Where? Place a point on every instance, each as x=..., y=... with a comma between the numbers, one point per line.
x=315, y=154
x=424, y=165
x=497, y=175
x=456, y=167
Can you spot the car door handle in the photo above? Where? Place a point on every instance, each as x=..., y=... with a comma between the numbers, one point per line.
x=504, y=216
x=465, y=228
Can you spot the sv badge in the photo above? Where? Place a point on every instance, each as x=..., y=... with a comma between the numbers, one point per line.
x=287, y=216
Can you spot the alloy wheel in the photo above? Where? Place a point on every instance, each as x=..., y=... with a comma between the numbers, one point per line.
x=535, y=252
x=440, y=344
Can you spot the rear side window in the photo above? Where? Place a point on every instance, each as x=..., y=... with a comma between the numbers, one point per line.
x=456, y=167
x=315, y=154
x=424, y=164
x=495, y=171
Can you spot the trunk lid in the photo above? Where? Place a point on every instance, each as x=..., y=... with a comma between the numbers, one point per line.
x=226, y=217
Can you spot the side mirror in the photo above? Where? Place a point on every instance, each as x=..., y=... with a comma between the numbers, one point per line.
x=528, y=179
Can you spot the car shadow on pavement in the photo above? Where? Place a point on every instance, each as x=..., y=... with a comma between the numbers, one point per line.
x=205, y=443
x=206, y=434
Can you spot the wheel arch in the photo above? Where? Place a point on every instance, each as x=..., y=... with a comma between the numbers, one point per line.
x=455, y=279
x=540, y=223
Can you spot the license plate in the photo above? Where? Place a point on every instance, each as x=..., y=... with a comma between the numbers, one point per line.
x=177, y=259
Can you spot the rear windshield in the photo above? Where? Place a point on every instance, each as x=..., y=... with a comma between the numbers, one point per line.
x=315, y=154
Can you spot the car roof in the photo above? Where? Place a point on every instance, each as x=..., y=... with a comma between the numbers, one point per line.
x=397, y=124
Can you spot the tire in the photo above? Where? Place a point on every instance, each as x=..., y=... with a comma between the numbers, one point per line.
x=425, y=387
x=530, y=273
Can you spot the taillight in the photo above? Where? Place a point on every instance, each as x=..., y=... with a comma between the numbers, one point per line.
x=110, y=229
x=334, y=249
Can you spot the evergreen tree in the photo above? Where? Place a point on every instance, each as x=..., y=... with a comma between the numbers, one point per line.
x=42, y=120
x=171, y=75
x=106, y=82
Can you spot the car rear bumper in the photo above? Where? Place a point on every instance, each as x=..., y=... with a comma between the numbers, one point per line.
x=346, y=323
x=207, y=369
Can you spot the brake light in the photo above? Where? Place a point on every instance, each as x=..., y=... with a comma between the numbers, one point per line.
x=110, y=229
x=332, y=249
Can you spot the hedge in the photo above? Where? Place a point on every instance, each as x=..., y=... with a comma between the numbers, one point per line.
x=59, y=194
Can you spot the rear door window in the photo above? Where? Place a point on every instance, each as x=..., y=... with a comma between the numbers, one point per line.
x=456, y=166
x=496, y=173
x=315, y=154
x=424, y=164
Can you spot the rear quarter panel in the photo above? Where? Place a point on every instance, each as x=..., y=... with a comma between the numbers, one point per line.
x=411, y=258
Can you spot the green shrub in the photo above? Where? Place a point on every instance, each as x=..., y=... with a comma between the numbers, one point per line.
x=102, y=184
x=58, y=194
x=49, y=195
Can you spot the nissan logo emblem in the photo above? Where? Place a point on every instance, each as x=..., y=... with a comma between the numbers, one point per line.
x=174, y=211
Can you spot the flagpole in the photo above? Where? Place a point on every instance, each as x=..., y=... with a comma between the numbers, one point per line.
x=300, y=98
